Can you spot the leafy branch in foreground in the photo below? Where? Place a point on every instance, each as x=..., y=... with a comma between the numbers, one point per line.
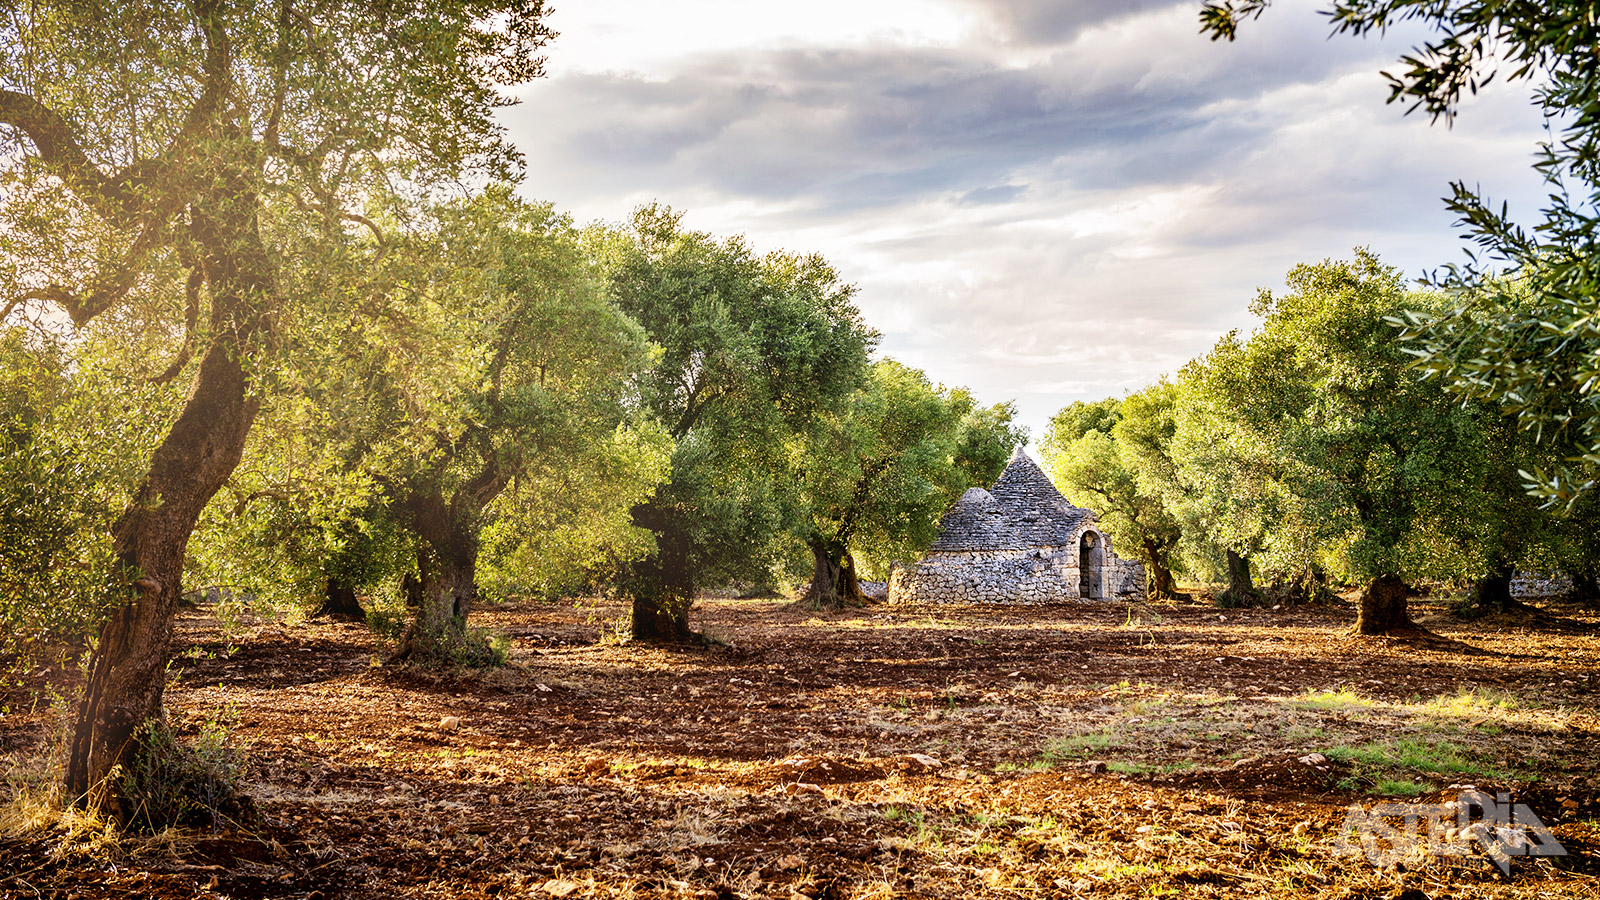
x=1521, y=331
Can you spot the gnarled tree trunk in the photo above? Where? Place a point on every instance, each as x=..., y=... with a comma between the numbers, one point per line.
x=1160, y=584
x=1309, y=586
x=447, y=584
x=834, y=583
x=1241, y=586
x=339, y=601
x=438, y=633
x=1383, y=607
x=127, y=671
x=661, y=585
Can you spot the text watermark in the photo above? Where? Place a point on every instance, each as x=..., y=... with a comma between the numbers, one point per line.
x=1390, y=833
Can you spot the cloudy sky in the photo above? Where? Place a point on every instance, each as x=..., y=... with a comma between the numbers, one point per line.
x=1044, y=200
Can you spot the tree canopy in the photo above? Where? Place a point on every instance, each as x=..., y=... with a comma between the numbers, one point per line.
x=1105, y=456
x=1520, y=329
x=752, y=350
x=174, y=165
x=875, y=474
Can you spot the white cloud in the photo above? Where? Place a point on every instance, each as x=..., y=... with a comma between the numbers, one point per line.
x=1042, y=201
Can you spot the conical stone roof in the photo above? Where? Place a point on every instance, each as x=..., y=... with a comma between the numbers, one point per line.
x=1023, y=511
x=975, y=521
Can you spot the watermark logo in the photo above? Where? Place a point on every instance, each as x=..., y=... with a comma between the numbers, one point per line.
x=1474, y=822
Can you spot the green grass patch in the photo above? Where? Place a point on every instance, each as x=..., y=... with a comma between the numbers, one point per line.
x=1082, y=746
x=1341, y=699
x=1389, y=787
x=1037, y=765
x=1390, y=767
x=1473, y=702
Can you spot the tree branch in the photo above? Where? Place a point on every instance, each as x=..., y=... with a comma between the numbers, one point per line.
x=191, y=316
x=53, y=138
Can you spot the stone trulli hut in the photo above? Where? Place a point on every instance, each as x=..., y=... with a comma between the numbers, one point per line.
x=1020, y=542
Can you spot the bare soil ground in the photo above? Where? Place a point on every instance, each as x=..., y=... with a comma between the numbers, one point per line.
x=1082, y=750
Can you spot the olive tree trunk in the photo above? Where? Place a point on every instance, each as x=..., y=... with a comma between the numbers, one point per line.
x=1585, y=587
x=339, y=601
x=1160, y=584
x=1492, y=593
x=662, y=585
x=438, y=632
x=1241, y=586
x=1383, y=607
x=447, y=584
x=127, y=670
x=834, y=583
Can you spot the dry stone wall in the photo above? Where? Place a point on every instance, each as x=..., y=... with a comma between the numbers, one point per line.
x=1535, y=584
x=990, y=577
x=1037, y=577
x=984, y=578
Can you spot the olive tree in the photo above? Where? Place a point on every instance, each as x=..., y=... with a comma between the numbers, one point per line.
x=1108, y=456
x=1531, y=348
x=752, y=350
x=1389, y=463
x=155, y=157
x=876, y=473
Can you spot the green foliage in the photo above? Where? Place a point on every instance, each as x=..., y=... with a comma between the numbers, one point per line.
x=1378, y=764
x=483, y=400
x=752, y=349
x=1314, y=446
x=1114, y=457
x=472, y=648
x=69, y=449
x=879, y=471
x=565, y=527
x=190, y=185
x=1528, y=343
x=189, y=785
x=1314, y=436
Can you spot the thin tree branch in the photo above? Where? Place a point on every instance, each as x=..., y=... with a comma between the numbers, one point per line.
x=191, y=316
x=53, y=138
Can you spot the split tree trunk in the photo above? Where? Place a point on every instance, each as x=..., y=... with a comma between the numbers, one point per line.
x=447, y=584
x=834, y=583
x=1309, y=586
x=1383, y=607
x=1160, y=585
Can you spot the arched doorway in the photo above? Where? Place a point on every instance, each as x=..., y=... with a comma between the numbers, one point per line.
x=1091, y=566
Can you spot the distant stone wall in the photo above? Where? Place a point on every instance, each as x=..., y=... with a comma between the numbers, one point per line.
x=1031, y=576
x=1534, y=584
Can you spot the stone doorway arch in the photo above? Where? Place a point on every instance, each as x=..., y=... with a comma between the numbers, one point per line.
x=1091, y=566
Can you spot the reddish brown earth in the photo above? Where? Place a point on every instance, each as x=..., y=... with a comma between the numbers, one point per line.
x=1089, y=750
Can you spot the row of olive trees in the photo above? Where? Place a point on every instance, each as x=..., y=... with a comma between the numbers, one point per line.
x=1518, y=329
x=641, y=406
x=274, y=320
x=1316, y=448
x=1388, y=436
x=188, y=185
